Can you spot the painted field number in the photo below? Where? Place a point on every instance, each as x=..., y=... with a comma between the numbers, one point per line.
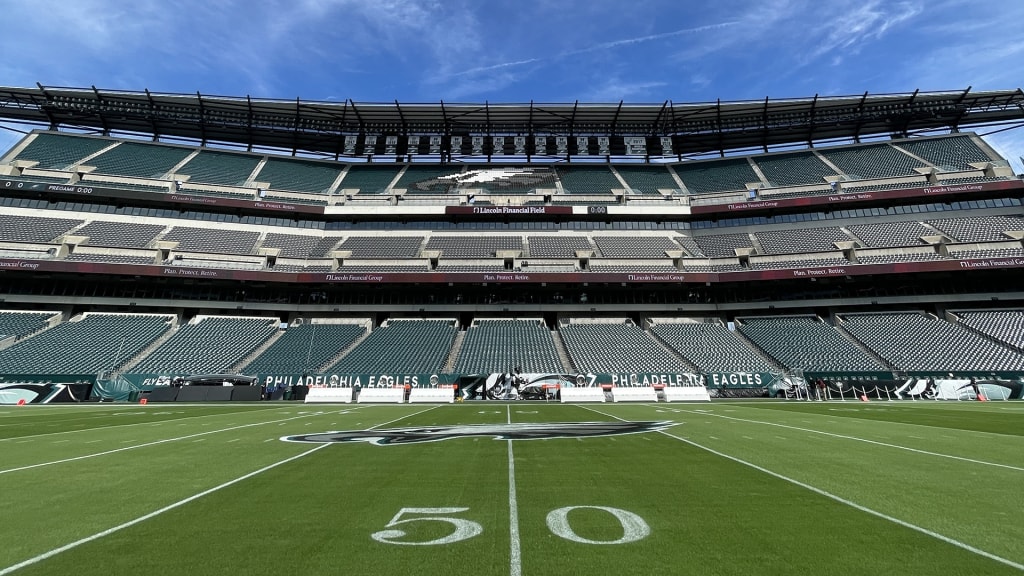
x=633, y=527
x=464, y=529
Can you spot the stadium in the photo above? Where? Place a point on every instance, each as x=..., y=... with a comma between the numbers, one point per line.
x=233, y=259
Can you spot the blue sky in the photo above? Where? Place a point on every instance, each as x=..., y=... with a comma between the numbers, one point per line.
x=517, y=51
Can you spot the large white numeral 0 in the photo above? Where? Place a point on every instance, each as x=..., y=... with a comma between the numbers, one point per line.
x=464, y=529
x=633, y=527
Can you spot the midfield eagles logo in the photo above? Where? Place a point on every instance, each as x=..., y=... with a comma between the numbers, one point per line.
x=519, y=431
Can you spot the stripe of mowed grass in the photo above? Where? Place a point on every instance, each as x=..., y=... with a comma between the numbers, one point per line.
x=64, y=502
x=962, y=501
x=34, y=421
x=316, y=515
x=983, y=447
x=143, y=431
x=995, y=417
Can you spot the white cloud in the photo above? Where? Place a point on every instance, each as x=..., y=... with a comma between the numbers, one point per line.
x=503, y=73
x=615, y=89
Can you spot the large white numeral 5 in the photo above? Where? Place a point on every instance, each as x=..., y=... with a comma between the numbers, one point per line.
x=464, y=529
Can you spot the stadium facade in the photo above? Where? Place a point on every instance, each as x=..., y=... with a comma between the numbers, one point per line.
x=869, y=238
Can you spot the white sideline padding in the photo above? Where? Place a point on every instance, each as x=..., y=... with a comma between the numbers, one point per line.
x=634, y=394
x=323, y=395
x=381, y=396
x=686, y=394
x=437, y=395
x=582, y=394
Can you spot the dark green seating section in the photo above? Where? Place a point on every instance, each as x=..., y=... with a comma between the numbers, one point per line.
x=119, y=234
x=794, y=169
x=306, y=176
x=806, y=342
x=92, y=344
x=1004, y=325
x=209, y=345
x=139, y=160
x=219, y=168
x=872, y=161
x=19, y=324
x=711, y=347
x=716, y=176
x=401, y=346
x=382, y=246
x=475, y=246
x=635, y=246
x=950, y=153
x=60, y=151
x=502, y=345
x=369, y=179
x=587, y=180
x=915, y=341
x=612, y=348
x=31, y=229
x=647, y=179
x=304, y=348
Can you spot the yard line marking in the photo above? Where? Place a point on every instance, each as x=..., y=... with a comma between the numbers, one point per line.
x=837, y=498
x=140, y=519
x=178, y=504
x=877, y=443
x=258, y=410
x=852, y=504
x=164, y=441
x=515, y=551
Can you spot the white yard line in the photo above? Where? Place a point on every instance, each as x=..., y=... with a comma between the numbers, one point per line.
x=130, y=523
x=851, y=504
x=133, y=424
x=876, y=443
x=840, y=499
x=515, y=549
x=164, y=441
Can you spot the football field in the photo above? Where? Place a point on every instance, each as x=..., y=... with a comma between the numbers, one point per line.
x=489, y=489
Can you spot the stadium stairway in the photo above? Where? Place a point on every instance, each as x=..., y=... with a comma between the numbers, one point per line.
x=341, y=353
x=672, y=352
x=756, y=243
x=563, y=353
x=761, y=352
x=127, y=366
x=848, y=232
x=7, y=340
x=837, y=323
x=238, y=366
x=453, y=354
x=952, y=316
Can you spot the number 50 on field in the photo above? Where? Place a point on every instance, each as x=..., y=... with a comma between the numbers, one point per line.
x=633, y=527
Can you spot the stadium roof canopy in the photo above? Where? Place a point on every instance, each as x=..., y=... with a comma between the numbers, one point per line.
x=695, y=128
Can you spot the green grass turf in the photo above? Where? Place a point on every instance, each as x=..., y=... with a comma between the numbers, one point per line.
x=707, y=513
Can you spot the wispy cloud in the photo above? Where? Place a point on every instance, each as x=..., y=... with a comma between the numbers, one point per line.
x=850, y=27
x=598, y=47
